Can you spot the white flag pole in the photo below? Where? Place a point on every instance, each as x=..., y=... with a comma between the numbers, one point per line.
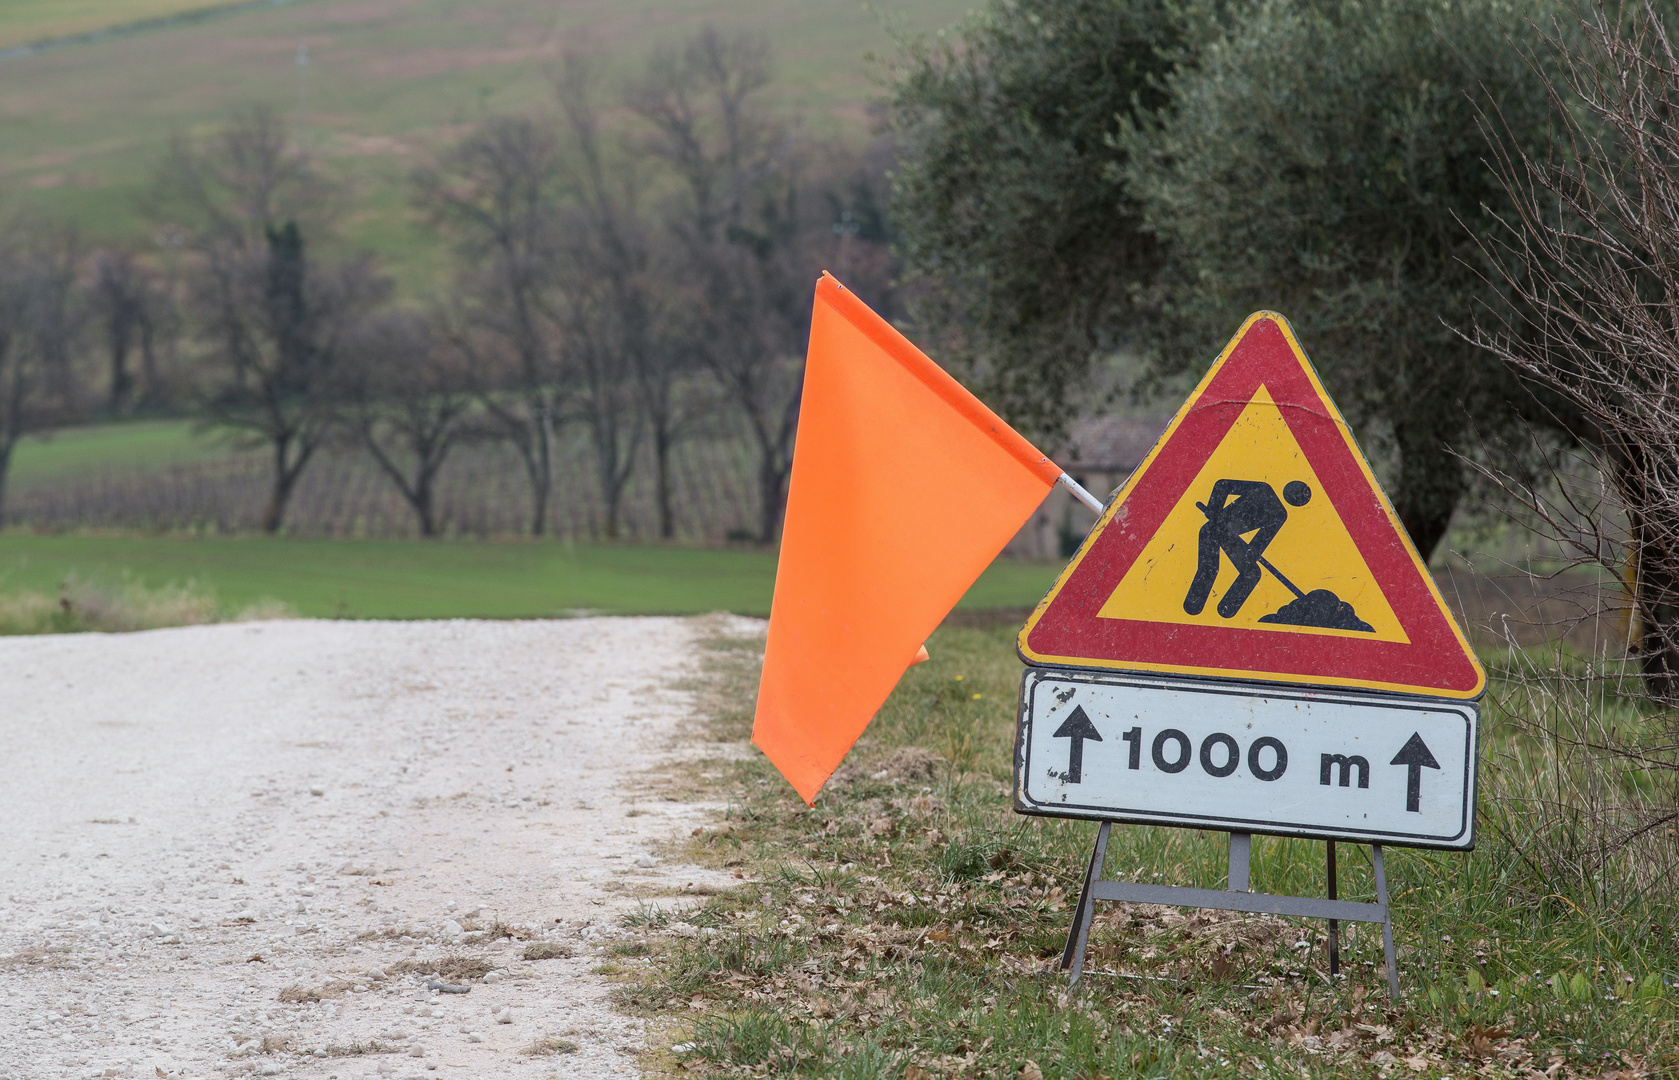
x=1082, y=495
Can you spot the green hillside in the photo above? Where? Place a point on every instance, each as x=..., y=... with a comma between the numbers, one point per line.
x=25, y=22
x=388, y=82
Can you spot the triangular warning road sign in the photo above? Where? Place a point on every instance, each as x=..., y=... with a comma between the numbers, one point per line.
x=1254, y=543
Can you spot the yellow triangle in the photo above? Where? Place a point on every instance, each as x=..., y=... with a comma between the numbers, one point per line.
x=1311, y=548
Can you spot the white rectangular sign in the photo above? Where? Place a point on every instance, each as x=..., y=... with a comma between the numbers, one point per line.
x=1245, y=758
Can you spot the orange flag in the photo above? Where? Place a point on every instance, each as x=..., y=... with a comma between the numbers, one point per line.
x=904, y=488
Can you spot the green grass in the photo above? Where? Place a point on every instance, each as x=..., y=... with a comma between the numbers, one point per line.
x=135, y=444
x=399, y=579
x=389, y=82
x=911, y=924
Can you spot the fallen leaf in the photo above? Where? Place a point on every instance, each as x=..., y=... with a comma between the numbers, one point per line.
x=1030, y=1071
x=1416, y=1063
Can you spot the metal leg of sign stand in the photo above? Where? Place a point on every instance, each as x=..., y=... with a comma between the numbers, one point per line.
x=1387, y=923
x=1334, y=924
x=1073, y=955
x=1235, y=897
x=1241, y=845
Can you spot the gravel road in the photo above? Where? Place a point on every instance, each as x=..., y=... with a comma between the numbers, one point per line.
x=203, y=829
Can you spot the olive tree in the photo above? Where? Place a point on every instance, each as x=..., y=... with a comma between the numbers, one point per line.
x=1030, y=255
x=1327, y=160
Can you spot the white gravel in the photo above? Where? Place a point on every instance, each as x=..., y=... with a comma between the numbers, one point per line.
x=334, y=798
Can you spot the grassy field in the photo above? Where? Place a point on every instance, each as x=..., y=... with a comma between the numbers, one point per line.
x=137, y=444
x=394, y=579
x=389, y=81
x=911, y=925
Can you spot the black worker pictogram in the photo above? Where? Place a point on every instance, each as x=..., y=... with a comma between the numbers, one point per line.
x=1234, y=510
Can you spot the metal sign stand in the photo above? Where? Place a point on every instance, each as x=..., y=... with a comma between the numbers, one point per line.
x=1235, y=897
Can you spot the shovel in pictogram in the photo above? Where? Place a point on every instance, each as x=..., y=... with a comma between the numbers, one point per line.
x=1253, y=507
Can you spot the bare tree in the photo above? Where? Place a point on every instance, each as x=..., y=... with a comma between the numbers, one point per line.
x=136, y=310
x=757, y=217
x=283, y=328
x=619, y=304
x=410, y=398
x=19, y=375
x=55, y=256
x=737, y=221
x=497, y=192
x=1592, y=259
x=667, y=378
x=38, y=320
x=276, y=319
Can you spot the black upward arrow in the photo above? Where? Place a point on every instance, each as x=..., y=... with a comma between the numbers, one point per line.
x=1415, y=757
x=1078, y=728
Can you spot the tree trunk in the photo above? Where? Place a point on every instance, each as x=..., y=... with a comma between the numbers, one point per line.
x=772, y=489
x=1656, y=597
x=122, y=382
x=274, y=514
x=542, y=470
x=661, y=472
x=539, y=507
x=611, y=502
x=152, y=390
x=1430, y=486
x=285, y=482
x=423, y=507
x=5, y=472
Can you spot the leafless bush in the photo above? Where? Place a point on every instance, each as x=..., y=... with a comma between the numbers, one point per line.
x=1592, y=260
x=1581, y=782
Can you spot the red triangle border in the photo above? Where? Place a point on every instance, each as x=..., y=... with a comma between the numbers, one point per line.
x=1065, y=630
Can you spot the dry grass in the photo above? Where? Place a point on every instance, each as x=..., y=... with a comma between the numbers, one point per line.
x=358, y=1049
x=547, y=950
x=86, y=605
x=551, y=1045
x=48, y=957
x=298, y=994
x=495, y=931
x=450, y=969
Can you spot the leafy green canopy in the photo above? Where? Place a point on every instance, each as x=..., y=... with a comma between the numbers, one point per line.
x=1327, y=159
x=1083, y=175
x=1005, y=195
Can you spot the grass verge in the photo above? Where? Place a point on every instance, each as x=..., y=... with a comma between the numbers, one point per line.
x=419, y=579
x=910, y=927
x=98, y=605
